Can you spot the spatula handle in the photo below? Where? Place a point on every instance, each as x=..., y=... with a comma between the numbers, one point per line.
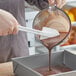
x=30, y=30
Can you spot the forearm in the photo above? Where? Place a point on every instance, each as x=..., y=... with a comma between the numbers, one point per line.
x=41, y=4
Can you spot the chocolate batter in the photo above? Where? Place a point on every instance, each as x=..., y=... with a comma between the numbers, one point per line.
x=50, y=43
x=54, y=70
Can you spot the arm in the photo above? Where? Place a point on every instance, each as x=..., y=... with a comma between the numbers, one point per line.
x=41, y=4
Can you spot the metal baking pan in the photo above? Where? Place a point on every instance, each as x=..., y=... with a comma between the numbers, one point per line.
x=23, y=66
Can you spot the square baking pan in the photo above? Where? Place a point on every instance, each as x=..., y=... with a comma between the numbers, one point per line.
x=24, y=66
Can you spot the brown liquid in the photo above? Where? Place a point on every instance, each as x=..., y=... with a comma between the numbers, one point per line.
x=54, y=70
x=50, y=43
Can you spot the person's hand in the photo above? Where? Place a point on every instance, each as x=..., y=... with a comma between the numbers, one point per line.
x=59, y=3
x=8, y=23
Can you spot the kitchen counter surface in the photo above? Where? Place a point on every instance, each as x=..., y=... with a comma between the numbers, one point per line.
x=6, y=69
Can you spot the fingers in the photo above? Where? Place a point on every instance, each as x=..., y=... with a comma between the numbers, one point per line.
x=5, y=33
x=51, y=2
x=8, y=30
x=15, y=30
x=59, y=3
x=63, y=3
x=8, y=23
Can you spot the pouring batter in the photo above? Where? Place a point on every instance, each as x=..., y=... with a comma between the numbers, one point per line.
x=16, y=45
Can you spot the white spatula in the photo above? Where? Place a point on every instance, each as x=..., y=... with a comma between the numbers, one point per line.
x=45, y=33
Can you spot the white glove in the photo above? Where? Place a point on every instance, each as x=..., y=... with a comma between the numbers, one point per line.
x=59, y=3
x=8, y=23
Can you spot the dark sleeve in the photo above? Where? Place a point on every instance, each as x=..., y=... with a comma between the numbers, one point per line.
x=41, y=4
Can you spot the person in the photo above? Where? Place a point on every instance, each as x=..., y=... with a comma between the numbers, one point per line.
x=12, y=13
